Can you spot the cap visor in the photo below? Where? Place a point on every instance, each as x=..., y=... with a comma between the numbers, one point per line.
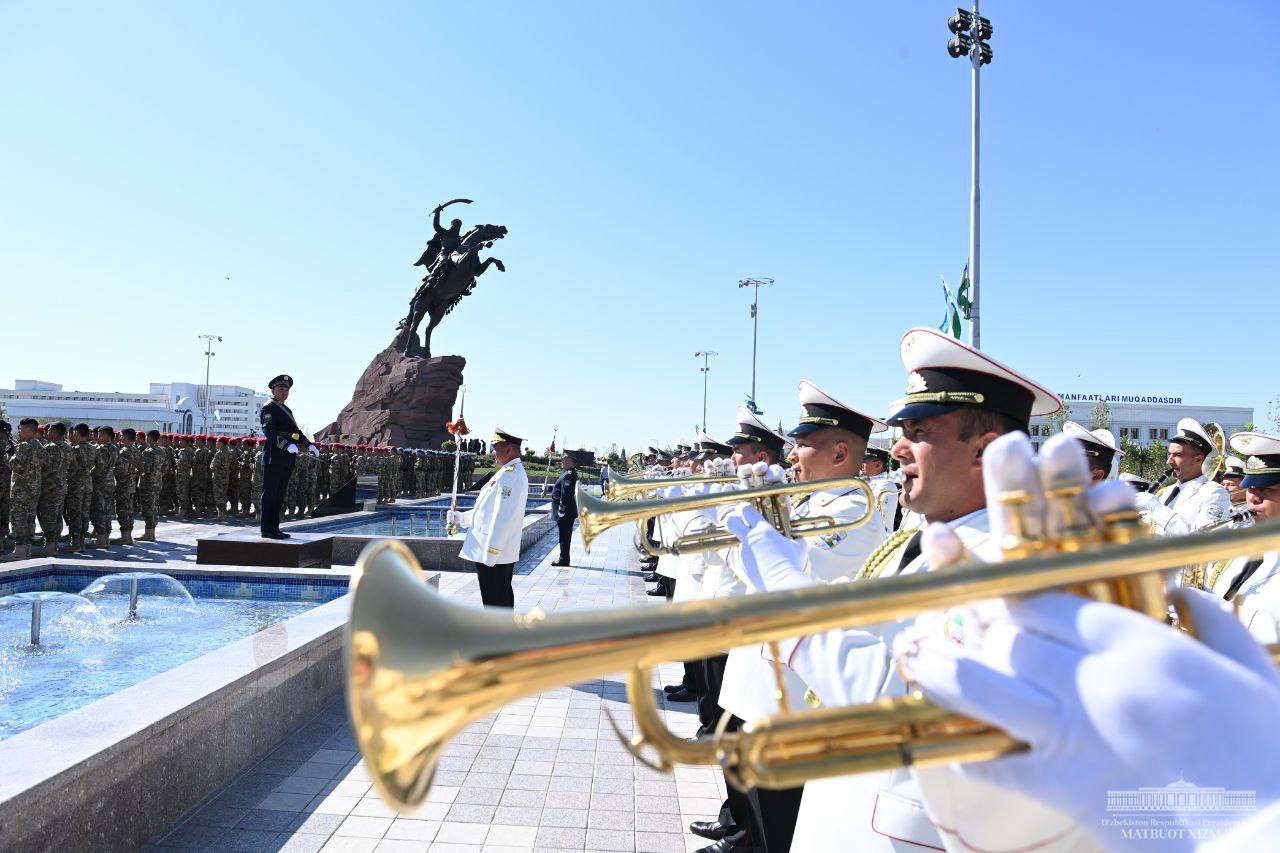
x=1259, y=481
x=805, y=429
x=918, y=411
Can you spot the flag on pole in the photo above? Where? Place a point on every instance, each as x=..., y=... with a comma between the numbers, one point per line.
x=959, y=308
x=964, y=302
x=951, y=319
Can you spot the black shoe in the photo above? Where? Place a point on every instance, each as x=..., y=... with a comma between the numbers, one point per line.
x=559, y=562
x=657, y=590
x=725, y=845
x=673, y=688
x=653, y=577
x=712, y=829
x=682, y=695
x=276, y=535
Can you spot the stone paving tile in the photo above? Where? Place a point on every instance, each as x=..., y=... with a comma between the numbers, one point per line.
x=546, y=773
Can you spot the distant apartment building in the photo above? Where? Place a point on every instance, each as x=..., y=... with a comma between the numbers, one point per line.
x=169, y=407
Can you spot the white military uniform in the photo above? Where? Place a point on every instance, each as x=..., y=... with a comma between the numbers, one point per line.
x=495, y=523
x=749, y=690
x=929, y=808
x=905, y=809
x=1200, y=502
x=886, y=491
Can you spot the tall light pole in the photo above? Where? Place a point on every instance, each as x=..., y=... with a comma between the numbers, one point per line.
x=970, y=33
x=757, y=283
x=208, y=358
x=705, y=355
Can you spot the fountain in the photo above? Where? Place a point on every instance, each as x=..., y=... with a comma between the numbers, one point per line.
x=81, y=616
x=121, y=591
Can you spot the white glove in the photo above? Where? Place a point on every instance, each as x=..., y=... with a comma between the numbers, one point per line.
x=455, y=518
x=313, y=450
x=1110, y=700
x=770, y=560
x=292, y=448
x=1107, y=698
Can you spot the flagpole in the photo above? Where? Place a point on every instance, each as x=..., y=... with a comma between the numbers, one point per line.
x=457, y=459
x=975, y=204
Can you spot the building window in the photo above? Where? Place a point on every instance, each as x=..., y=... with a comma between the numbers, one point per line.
x=1158, y=434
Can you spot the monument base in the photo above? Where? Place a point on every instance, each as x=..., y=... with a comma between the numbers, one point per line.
x=400, y=400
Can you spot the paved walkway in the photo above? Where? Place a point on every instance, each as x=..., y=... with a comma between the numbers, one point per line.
x=545, y=773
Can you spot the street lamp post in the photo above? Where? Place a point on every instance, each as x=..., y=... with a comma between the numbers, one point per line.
x=756, y=283
x=208, y=358
x=970, y=34
x=705, y=355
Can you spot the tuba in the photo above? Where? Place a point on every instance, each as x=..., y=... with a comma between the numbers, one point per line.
x=420, y=668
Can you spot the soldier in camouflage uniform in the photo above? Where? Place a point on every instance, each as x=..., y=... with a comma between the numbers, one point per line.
x=168, y=493
x=248, y=447
x=7, y=448
x=126, y=469
x=233, y=477
x=322, y=473
x=306, y=469
x=339, y=469
x=201, y=476
x=55, y=459
x=220, y=476
x=291, y=493
x=183, y=461
x=104, y=485
x=24, y=487
x=150, y=482
x=79, y=486
x=258, y=457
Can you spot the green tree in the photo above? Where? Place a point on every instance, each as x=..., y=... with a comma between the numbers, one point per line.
x=1101, y=416
x=1058, y=418
x=448, y=445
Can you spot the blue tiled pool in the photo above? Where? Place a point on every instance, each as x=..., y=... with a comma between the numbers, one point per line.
x=89, y=649
x=408, y=521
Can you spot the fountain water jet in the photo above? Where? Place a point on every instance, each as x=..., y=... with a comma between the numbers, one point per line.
x=80, y=606
x=130, y=586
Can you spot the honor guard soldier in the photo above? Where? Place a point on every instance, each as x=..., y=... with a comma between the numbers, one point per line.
x=1099, y=448
x=564, y=503
x=1193, y=501
x=283, y=440
x=496, y=521
x=958, y=402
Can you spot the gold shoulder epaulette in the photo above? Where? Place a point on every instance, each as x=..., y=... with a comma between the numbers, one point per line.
x=876, y=559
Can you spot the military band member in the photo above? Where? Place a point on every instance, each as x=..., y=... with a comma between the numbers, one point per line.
x=875, y=467
x=1099, y=449
x=1231, y=477
x=1193, y=501
x=1254, y=580
x=1137, y=482
x=958, y=402
x=496, y=521
x=283, y=441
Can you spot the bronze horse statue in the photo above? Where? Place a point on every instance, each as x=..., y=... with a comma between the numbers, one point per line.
x=451, y=276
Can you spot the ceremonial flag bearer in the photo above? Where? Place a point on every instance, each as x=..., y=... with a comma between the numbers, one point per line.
x=494, y=524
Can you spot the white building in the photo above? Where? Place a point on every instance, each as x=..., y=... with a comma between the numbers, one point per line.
x=230, y=410
x=1143, y=419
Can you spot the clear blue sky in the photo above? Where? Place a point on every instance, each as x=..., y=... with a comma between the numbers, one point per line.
x=645, y=156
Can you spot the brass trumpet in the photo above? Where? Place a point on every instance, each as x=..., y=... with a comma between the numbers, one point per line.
x=598, y=515
x=420, y=668
x=623, y=488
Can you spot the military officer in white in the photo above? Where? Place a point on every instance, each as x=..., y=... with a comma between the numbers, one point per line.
x=830, y=442
x=1099, y=448
x=959, y=401
x=1193, y=501
x=496, y=521
x=1254, y=580
x=875, y=467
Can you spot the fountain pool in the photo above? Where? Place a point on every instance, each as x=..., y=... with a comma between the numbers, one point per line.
x=96, y=635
